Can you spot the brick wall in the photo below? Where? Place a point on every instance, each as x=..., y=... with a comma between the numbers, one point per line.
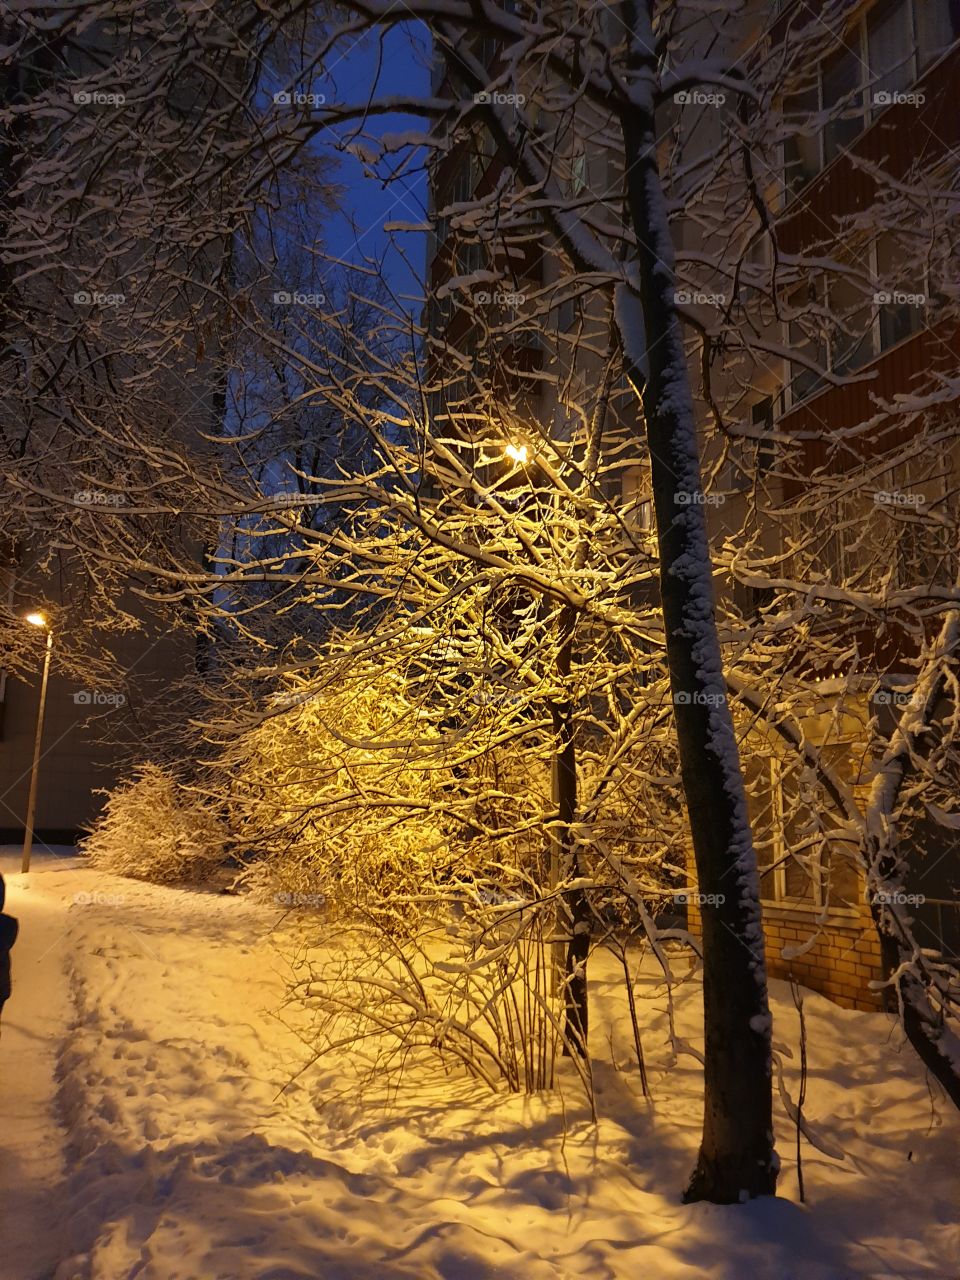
x=840, y=963
x=842, y=960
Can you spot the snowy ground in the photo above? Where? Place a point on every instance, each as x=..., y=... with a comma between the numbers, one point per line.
x=146, y=1020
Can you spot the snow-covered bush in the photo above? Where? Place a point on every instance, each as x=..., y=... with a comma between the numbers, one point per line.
x=478, y=990
x=153, y=828
x=339, y=797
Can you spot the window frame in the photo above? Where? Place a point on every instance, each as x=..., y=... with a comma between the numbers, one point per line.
x=913, y=68
x=877, y=347
x=636, y=499
x=775, y=873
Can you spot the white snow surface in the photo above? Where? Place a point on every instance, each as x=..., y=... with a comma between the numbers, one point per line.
x=152, y=1127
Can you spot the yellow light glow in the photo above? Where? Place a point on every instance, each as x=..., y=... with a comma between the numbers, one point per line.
x=36, y=620
x=517, y=453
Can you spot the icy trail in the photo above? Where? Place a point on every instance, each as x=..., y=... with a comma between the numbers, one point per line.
x=31, y=1154
x=185, y=1157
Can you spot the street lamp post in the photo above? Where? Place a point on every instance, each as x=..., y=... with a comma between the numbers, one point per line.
x=36, y=620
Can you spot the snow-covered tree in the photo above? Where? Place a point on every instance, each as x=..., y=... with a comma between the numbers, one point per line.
x=574, y=530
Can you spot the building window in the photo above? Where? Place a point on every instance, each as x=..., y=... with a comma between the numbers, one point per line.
x=566, y=314
x=918, y=520
x=924, y=553
x=761, y=599
x=801, y=150
x=487, y=50
x=901, y=295
x=761, y=417
x=891, y=54
x=638, y=507
x=736, y=470
x=851, y=337
x=578, y=171
x=808, y=339
x=801, y=862
x=842, y=91
x=937, y=26
x=880, y=55
x=878, y=300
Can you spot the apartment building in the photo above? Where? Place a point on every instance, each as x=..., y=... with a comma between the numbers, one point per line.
x=875, y=111
x=876, y=114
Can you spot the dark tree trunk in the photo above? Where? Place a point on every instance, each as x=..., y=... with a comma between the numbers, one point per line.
x=576, y=911
x=576, y=907
x=737, y=1158
x=924, y=1023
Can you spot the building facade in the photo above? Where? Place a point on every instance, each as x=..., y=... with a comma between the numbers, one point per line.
x=867, y=120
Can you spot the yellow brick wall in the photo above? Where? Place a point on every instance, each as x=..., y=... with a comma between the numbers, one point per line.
x=841, y=962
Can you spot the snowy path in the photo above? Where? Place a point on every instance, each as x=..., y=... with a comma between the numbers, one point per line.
x=31, y=1157
x=188, y=1154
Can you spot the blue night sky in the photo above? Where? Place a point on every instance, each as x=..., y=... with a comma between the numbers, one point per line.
x=397, y=66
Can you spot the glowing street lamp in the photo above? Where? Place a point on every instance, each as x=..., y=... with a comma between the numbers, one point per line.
x=517, y=453
x=36, y=620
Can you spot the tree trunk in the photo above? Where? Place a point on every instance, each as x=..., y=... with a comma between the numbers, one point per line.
x=737, y=1158
x=921, y=992
x=576, y=907
x=923, y=1018
x=924, y=1025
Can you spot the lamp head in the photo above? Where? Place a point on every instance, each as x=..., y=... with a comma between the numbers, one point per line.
x=36, y=619
x=517, y=453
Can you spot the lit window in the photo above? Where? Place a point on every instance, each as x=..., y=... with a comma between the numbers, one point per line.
x=578, y=172
x=634, y=485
